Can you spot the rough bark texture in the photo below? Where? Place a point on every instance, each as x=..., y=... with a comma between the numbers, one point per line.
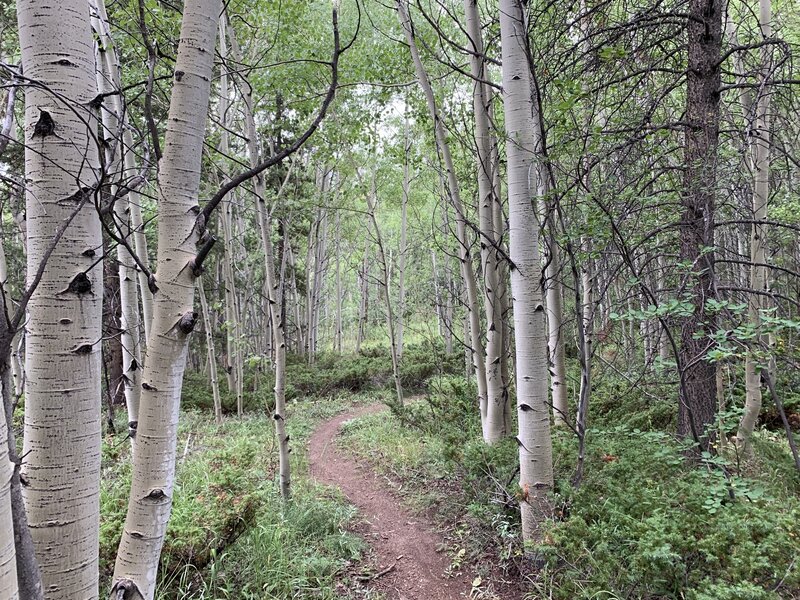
x=173, y=314
x=525, y=180
x=61, y=471
x=698, y=397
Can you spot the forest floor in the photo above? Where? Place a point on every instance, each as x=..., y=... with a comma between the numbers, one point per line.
x=407, y=548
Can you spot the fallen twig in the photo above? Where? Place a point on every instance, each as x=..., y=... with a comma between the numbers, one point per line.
x=373, y=576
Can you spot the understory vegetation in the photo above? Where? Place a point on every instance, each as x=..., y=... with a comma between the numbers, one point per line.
x=230, y=534
x=646, y=521
x=557, y=243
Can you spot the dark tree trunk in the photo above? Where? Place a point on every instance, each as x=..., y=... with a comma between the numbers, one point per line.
x=698, y=379
x=112, y=344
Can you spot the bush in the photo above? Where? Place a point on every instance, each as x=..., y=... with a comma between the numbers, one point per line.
x=648, y=523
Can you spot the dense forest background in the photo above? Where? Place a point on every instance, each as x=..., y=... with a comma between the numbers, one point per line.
x=557, y=241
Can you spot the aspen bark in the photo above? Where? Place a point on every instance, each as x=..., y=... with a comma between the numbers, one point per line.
x=317, y=281
x=502, y=294
x=8, y=557
x=337, y=336
x=759, y=282
x=278, y=301
x=210, y=352
x=27, y=582
x=233, y=317
x=437, y=295
x=555, y=335
x=277, y=304
x=525, y=181
x=276, y=297
x=113, y=122
x=454, y=195
x=401, y=259
x=363, y=307
x=173, y=315
x=62, y=434
x=586, y=341
x=372, y=200
x=493, y=420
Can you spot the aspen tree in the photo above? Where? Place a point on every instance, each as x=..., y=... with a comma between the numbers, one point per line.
x=494, y=420
x=8, y=557
x=454, y=195
x=372, y=204
x=276, y=283
x=119, y=156
x=173, y=313
x=401, y=259
x=525, y=181
x=211, y=353
x=759, y=282
x=555, y=335
x=363, y=307
x=339, y=288
x=61, y=471
x=234, y=368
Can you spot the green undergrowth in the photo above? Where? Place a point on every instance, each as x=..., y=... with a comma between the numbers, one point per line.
x=330, y=374
x=646, y=522
x=230, y=534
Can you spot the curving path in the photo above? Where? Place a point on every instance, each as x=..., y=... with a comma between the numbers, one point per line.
x=405, y=545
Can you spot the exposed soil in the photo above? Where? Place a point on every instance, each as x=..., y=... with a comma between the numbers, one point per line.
x=406, y=545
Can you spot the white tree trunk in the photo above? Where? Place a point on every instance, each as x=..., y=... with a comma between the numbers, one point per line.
x=465, y=255
x=555, y=337
x=140, y=243
x=363, y=307
x=275, y=286
x=372, y=201
x=173, y=314
x=233, y=317
x=493, y=420
x=759, y=281
x=8, y=558
x=525, y=181
x=337, y=336
x=401, y=260
x=113, y=121
x=62, y=405
x=211, y=352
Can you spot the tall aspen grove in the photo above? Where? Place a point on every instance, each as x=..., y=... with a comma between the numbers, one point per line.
x=400, y=300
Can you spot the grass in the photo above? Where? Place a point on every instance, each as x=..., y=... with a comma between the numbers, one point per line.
x=230, y=534
x=647, y=523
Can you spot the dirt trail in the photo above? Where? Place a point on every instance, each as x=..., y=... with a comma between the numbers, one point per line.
x=397, y=537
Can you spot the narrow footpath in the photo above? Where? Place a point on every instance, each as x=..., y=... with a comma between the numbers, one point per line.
x=405, y=545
